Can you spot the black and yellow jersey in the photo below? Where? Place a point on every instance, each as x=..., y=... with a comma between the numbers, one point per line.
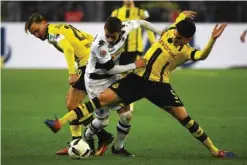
x=134, y=42
x=163, y=56
x=74, y=43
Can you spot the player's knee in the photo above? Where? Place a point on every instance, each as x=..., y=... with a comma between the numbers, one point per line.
x=108, y=97
x=126, y=117
x=179, y=113
x=70, y=105
x=103, y=122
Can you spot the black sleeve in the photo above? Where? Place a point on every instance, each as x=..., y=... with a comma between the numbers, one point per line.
x=107, y=66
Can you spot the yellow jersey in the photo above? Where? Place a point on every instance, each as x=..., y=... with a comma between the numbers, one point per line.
x=163, y=57
x=74, y=43
x=134, y=41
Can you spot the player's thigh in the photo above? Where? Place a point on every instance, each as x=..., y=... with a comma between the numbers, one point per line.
x=77, y=92
x=162, y=95
x=108, y=98
x=75, y=97
x=127, y=58
x=128, y=89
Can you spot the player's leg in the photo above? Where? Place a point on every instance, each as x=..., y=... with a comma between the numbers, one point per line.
x=74, y=97
x=96, y=126
x=117, y=93
x=123, y=128
x=193, y=127
x=127, y=58
x=165, y=97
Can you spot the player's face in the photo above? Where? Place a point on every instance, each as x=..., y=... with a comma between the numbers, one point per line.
x=179, y=40
x=39, y=30
x=128, y=2
x=111, y=37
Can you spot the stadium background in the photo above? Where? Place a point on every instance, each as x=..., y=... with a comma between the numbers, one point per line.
x=34, y=86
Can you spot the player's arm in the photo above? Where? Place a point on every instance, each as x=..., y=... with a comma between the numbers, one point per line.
x=90, y=37
x=68, y=50
x=134, y=24
x=145, y=15
x=105, y=62
x=182, y=16
x=202, y=55
x=114, y=13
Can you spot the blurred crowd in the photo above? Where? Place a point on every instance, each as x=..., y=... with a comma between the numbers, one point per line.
x=98, y=11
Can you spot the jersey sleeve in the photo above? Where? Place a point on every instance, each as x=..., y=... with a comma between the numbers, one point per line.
x=114, y=13
x=194, y=54
x=131, y=25
x=68, y=50
x=144, y=14
x=190, y=52
x=104, y=60
x=88, y=36
x=101, y=51
x=181, y=17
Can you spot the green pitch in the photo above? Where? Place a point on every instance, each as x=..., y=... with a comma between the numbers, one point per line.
x=217, y=99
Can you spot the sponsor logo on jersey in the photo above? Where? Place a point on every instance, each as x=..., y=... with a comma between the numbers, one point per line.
x=103, y=53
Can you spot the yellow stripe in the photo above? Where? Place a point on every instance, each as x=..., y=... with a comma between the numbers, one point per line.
x=198, y=132
x=189, y=124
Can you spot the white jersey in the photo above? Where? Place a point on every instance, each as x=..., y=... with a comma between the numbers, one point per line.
x=102, y=57
x=102, y=52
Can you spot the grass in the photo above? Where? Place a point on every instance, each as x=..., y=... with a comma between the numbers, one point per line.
x=215, y=98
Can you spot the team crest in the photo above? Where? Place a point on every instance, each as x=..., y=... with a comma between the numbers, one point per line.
x=103, y=53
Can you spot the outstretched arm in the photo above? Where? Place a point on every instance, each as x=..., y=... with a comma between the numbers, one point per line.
x=202, y=55
x=149, y=26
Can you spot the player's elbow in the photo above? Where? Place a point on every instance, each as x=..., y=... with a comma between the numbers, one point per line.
x=203, y=58
x=69, y=50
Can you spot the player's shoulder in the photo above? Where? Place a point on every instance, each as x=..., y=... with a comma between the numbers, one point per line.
x=187, y=48
x=99, y=46
x=99, y=42
x=114, y=12
x=56, y=28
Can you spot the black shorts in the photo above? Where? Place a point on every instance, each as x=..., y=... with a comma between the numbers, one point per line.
x=80, y=84
x=133, y=88
x=128, y=57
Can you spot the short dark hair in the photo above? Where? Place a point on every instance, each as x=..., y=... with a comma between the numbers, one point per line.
x=34, y=18
x=186, y=28
x=113, y=24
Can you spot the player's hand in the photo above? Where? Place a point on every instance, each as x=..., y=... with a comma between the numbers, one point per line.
x=73, y=78
x=141, y=62
x=217, y=31
x=242, y=37
x=190, y=14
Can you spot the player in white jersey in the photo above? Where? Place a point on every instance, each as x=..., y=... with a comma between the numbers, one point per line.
x=101, y=72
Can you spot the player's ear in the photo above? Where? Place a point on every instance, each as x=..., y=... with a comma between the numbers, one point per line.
x=188, y=39
x=44, y=22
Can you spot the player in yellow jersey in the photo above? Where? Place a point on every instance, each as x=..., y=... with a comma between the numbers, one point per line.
x=75, y=45
x=152, y=82
x=134, y=43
